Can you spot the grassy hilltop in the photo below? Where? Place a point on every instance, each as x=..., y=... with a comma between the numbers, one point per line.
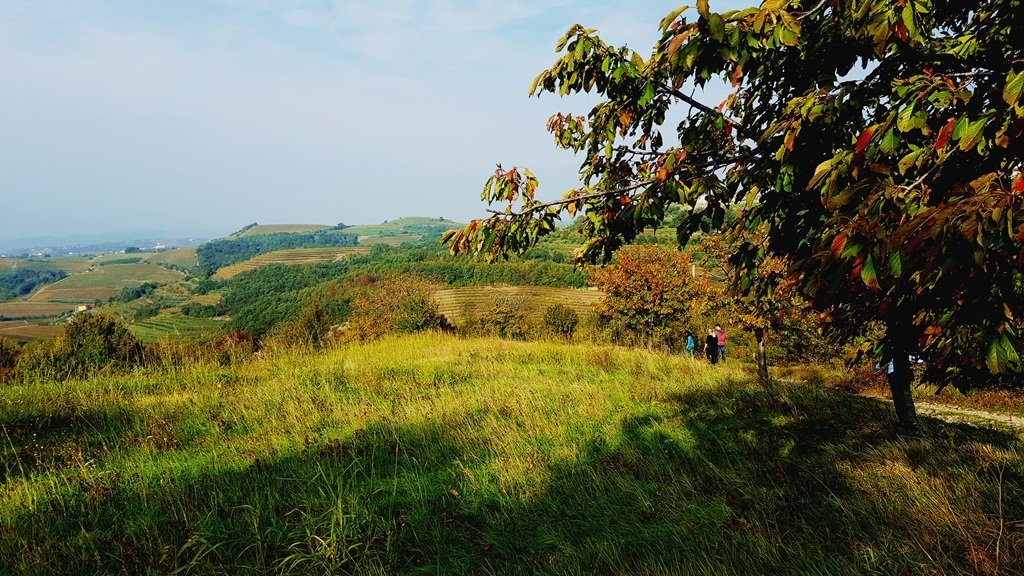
x=434, y=454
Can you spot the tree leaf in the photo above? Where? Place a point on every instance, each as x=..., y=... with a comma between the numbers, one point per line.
x=820, y=172
x=868, y=273
x=1013, y=88
x=671, y=17
x=703, y=8
x=972, y=134
x=865, y=138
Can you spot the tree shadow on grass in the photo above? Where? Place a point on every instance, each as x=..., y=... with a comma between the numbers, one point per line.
x=721, y=482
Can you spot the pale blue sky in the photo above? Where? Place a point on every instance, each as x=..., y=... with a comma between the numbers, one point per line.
x=200, y=117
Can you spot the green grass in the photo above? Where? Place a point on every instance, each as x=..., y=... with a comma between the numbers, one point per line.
x=430, y=454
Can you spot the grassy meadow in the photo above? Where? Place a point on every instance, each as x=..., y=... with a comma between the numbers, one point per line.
x=432, y=454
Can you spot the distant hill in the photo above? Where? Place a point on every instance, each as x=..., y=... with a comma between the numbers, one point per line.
x=258, y=229
x=410, y=229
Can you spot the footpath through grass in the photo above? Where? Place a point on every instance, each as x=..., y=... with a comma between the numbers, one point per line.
x=432, y=454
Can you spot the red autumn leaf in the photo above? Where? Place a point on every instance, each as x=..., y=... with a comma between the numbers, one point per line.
x=864, y=139
x=837, y=245
x=1018, y=184
x=624, y=200
x=944, y=133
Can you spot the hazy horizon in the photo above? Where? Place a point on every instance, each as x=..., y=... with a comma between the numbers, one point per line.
x=200, y=116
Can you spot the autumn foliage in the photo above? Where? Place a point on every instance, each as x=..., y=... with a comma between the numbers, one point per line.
x=651, y=295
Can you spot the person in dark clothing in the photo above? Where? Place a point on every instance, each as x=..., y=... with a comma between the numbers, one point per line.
x=711, y=347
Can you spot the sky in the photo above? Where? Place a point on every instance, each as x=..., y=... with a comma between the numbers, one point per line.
x=199, y=117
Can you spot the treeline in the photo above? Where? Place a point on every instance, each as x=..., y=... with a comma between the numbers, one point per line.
x=219, y=253
x=22, y=281
x=259, y=299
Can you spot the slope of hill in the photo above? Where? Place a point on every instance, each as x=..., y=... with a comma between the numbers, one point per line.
x=293, y=256
x=437, y=455
x=461, y=304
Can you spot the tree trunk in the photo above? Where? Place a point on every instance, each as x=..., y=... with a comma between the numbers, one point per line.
x=902, y=398
x=762, y=361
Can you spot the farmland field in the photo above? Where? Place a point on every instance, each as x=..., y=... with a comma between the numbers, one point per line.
x=292, y=256
x=163, y=327
x=184, y=257
x=461, y=304
x=21, y=330
x=396, y=240
x=104, y=281
x=31, y=309
x=68, y=263
x=275, y=228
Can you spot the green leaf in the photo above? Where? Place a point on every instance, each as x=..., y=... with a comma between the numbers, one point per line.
x=995, y=359
x=671, y=17
x=703, y=8
x=895, y=264
x=972, y=134
x=868, y=273
x=851, y=249
x=1013, y=88
x=890, y=141
x=820, y=172
x=648, y=95
x=717, y=26
x=910, y=159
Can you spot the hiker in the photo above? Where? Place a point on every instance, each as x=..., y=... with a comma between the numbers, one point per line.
x=691, y=343
x=720, y=335
x=711, y=347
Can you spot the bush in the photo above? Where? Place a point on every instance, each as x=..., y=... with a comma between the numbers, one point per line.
x=89, y=343
x=561, y=320
x=129, y=293
x=146, y=311
x=507, y=318
x=398, y=304
x=652, y=298
x=8, y=359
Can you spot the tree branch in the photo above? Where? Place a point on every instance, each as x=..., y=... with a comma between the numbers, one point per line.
x=707, y=109
x=564, y=201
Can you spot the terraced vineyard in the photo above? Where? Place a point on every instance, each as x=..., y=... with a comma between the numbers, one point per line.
x=161, y=327
x=461, y=304
x=292, y=256
x=103, y=282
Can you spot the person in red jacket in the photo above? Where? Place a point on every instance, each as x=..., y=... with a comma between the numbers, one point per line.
x=720, y=335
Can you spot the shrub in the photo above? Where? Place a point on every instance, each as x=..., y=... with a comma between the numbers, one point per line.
x=235, y=347
x=561, y=320
x=397, y=304
x=651, y=296
x=507, y=318
x=89, y=343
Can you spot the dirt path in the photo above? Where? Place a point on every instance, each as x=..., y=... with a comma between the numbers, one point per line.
x=957, y=415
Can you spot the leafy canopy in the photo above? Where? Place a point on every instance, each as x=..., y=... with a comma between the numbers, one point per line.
x=877, y=144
